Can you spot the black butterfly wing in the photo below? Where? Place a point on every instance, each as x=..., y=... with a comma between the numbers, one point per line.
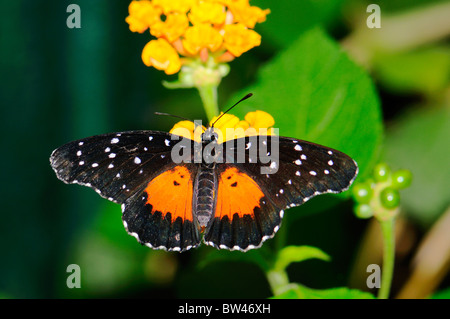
x=287, y=172
x=120, y=166
x=304, y=170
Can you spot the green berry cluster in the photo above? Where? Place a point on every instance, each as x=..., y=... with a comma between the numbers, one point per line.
x=379, y=195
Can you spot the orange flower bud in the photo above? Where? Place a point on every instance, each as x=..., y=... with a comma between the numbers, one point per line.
x=201, y=36
x=238, y=39
x=207, y=12
x=142, y=15
x=161, y=55
x=172, y=28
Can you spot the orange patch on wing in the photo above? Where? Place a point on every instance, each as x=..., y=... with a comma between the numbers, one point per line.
x=237, y=194
x=171, y=192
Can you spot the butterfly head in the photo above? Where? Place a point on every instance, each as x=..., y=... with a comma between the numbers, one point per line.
x=210, y=135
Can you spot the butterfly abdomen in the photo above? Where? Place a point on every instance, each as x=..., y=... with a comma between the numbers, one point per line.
x=204, y=194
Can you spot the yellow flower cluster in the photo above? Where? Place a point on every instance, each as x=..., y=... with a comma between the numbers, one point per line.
x=229, y=126
x=195, y=29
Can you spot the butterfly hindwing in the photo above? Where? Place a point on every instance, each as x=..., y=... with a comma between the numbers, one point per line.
x=161, y=216
x=244, y=217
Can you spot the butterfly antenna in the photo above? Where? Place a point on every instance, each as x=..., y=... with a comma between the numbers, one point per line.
x=244, y=98
x=178, y=117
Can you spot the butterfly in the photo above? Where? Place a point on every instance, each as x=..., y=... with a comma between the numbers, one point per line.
x=225, y=202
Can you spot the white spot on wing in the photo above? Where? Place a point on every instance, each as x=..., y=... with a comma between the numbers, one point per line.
x=298, y=162
x=79, y=153
x=330, y=162
x=107, y=150
x=326, y=172
x=115, y=140
x=94, y=164
x=81, y=163
x=297, y=173
x=112, y=155
x=111, y=165
x=303, y=157
x=81, y=143
x=297, y=147
x=313, y=173
x=167, y=142
x=137, y=160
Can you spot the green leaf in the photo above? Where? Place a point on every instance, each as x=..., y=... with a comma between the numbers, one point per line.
x=419, y=142
x=443, y=294
x=425, y=71
x=316, y=93
x=288, y=19
x=290, y=254
x=302, y=292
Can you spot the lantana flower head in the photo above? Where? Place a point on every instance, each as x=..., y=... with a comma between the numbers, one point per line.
x=229, y=126
x=196, y=30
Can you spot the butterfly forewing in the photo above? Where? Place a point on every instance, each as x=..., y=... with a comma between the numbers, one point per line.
x=303, y=170
x=116, y=165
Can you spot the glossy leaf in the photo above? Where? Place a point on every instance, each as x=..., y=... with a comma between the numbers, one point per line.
x=302, y=292
x=316, y=93
x=290, y=254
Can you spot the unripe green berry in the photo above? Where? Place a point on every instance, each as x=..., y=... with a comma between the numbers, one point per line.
x=390, y=197
x=362, y=192
x=381, y=172
x=401, y=179
x=363, y=211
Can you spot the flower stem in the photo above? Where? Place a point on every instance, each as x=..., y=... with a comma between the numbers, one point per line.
x=388, y=230
x=208, y=94
x=278, y=281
